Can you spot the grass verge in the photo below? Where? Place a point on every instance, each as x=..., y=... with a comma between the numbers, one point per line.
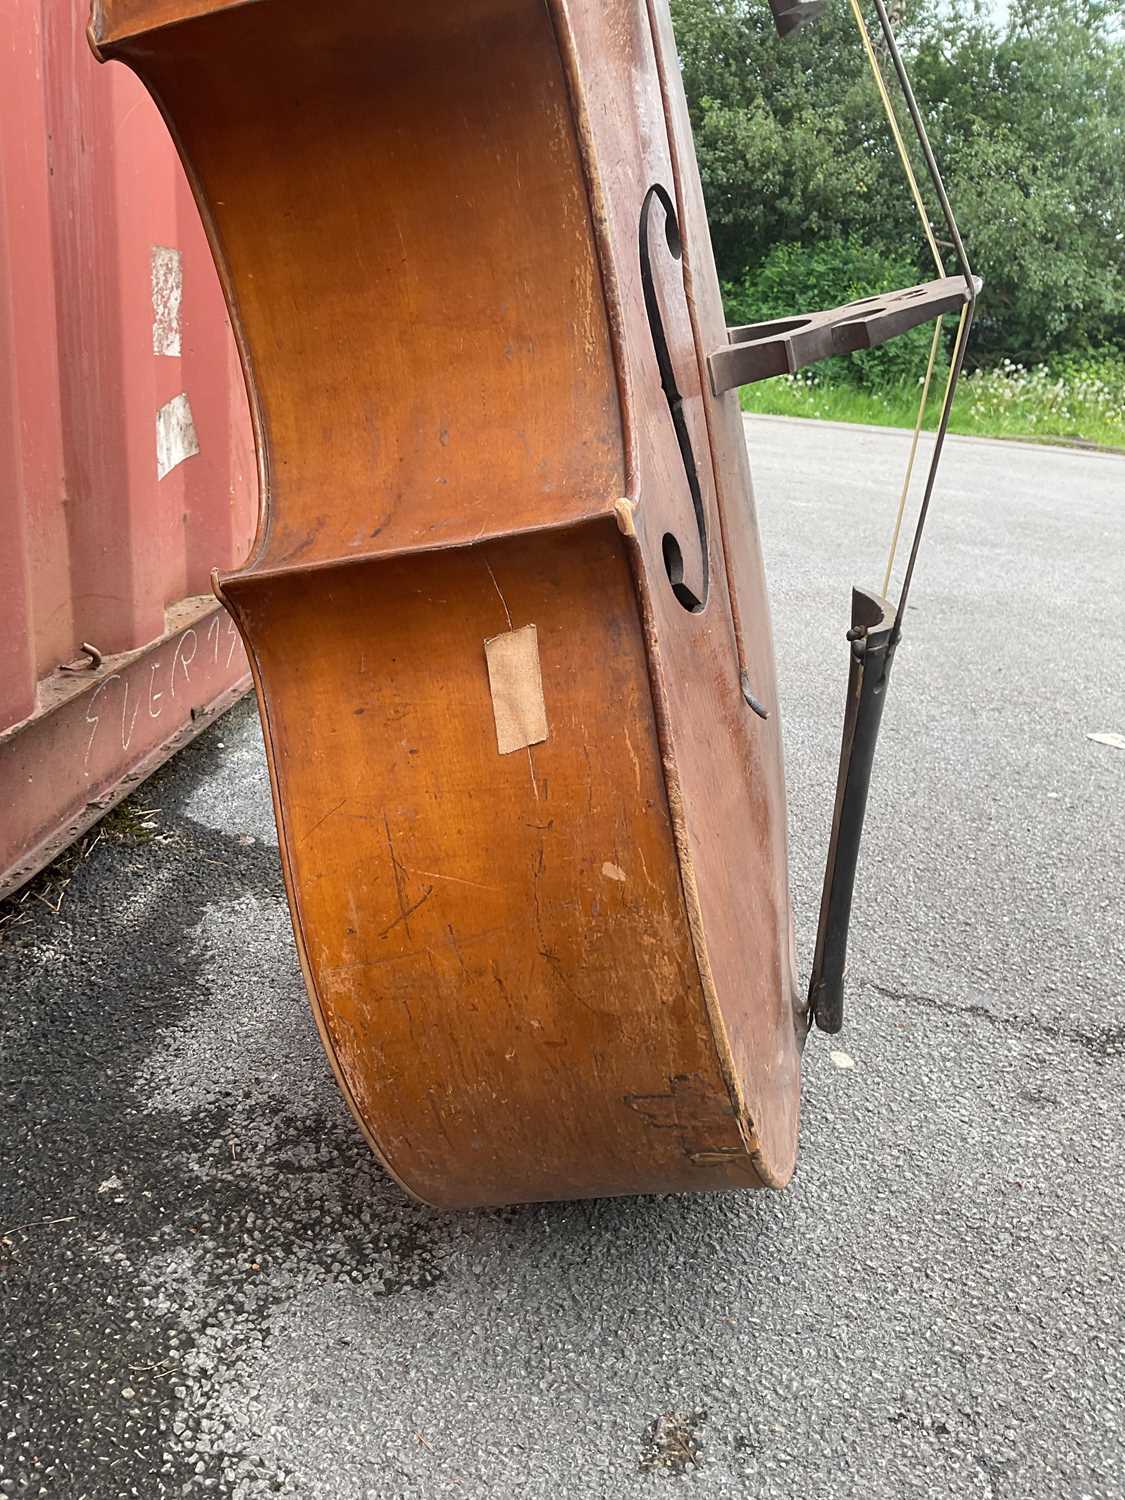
x=1082, y=402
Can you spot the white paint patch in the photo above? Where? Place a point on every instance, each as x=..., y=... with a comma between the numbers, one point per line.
x=613, y=872
x=167, y=294
x=842, y=1060
x=175, y=434
x=1114, y=741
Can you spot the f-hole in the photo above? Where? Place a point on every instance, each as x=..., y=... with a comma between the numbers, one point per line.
x=657, y=199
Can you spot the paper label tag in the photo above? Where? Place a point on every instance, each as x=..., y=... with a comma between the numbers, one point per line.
x=517, y=689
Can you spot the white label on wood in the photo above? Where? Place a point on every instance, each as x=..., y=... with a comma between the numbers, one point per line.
x=517, y=689
x=167, y=293
x=175, y=434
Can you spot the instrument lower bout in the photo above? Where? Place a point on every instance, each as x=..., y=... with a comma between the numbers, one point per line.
x=497, y=945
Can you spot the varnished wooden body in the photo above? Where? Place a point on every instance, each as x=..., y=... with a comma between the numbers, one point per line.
x=566, y=970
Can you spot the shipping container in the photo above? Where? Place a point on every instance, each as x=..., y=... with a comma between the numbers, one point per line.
x=126, y=458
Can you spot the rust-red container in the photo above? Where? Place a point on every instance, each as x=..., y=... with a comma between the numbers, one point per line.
x=126, y=460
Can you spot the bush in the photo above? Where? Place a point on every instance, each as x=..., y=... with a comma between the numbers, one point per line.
x=799, y=278
x=1078, y=396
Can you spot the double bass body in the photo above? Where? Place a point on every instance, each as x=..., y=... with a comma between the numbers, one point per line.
x=539, y=886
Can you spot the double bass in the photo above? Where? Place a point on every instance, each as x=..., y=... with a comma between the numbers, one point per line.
x=505, y=610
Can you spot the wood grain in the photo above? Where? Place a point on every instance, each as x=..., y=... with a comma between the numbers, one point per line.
x=564, y=970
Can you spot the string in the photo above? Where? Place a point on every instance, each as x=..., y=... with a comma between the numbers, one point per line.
x=892, y=121
x=918, y=424
x=915, y=192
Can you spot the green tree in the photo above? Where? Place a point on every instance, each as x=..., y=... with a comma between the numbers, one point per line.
x=1027, y=118
x=824, y=275
x=1031, y=130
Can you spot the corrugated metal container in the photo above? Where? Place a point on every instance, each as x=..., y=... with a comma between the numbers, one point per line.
x=126, y=460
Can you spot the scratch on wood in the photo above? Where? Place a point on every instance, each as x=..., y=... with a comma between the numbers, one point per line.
x=310, y=831
x=555, y=964
x=658, y=1109
x=438, y=1119
x=496, y=586
x=400, y=889
x=409, y=1019
x=477, y=885
x=531, y=768
x=704, y=1119
x=373, y=963
x=409, y=912
x=633, y=758
x=456, y=949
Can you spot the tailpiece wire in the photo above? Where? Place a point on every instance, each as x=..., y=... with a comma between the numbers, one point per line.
x=958, y=355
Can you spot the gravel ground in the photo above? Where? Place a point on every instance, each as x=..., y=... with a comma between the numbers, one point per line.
x=214, y=1290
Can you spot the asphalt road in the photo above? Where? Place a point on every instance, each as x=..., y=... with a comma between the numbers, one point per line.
x=217, y=1292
